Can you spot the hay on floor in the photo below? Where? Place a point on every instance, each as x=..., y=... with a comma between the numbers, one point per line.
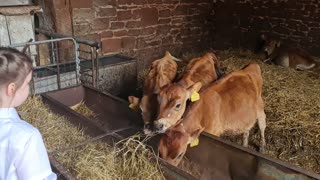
x=129, y=159
x=292, y=106
x=84, y=110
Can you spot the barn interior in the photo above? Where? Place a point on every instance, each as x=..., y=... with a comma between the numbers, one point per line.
x=116, y=42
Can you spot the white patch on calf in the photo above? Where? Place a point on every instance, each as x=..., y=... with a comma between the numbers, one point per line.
x=304, y=67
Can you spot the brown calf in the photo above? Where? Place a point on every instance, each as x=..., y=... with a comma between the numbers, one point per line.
x=173, y=98
x=232, y=104
x=161, y=73
x=286, y=56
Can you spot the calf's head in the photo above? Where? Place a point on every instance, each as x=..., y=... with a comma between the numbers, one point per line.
x=173, y=144
x=172, y=102
x=270, y=45
x=148, y=108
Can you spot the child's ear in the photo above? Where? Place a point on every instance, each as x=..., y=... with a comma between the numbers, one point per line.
x=11, y=89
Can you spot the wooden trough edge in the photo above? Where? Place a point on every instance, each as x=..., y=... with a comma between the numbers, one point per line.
x=276, y=162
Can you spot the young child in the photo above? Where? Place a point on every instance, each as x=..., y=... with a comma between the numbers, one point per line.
x=22, y=151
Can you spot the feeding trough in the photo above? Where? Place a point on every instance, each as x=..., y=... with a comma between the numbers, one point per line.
x=214, y=158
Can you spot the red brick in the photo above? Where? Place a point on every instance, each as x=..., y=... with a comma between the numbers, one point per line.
x=124, y=15
x=134, y=32
x=104, y=2
x=141, y=43
x=128, y=42
x=106, y=12
x=81, y=3
x=100, y=24
x=154, y=42
x=60, y=4
x=149, y=16
x=148, y=31
x=120, y=33
x=91, y=37
x=133, y=24
x=136, y=14
x=167, y=40
x=125, y=2
x=81, y=29
x=164, y=21
x=178, y=20
x=117, y=25
x=154, y=2
x=165, y=13
x=140, y=2
x=163, y=30
x=111, y=45
x=82, y=15
x=105, y=34
x=181, y=10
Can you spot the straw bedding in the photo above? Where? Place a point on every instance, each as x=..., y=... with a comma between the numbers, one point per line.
x=128, y=159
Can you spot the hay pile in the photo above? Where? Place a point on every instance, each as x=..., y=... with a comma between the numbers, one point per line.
x=292, y=106
x=129, y=159
x=84, y=110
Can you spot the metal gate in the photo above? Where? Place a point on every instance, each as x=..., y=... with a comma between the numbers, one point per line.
x=62, y=63
x=59, y=61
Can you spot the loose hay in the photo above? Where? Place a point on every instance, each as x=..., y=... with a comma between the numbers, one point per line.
x=129, y=159
x=84, y=110
x=292, y=106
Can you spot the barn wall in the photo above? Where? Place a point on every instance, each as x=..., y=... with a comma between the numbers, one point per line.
x=144, y=28
x=237, y=23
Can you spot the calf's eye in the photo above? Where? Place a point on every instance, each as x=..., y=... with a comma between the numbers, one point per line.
x=179, y=156
x=178, y=106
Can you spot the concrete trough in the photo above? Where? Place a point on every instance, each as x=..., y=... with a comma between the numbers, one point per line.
x=117, y=75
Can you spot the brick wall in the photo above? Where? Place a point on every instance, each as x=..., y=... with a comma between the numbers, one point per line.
x=238, y=23
x=144, y=28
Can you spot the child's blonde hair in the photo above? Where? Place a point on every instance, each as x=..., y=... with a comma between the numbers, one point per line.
x=14, y=67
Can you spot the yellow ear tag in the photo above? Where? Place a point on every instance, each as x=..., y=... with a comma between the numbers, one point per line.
x=194, y=142
x=195, y=96
x=132, y=106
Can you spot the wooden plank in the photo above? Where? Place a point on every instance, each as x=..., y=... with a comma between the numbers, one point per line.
x=20, y=10
x=21, y=30
x=4, y=34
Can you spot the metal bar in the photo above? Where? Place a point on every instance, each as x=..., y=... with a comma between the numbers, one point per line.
x=79, y=40
x=97, y=67
x=94, y=69
x=58, y=68
x=54, y=55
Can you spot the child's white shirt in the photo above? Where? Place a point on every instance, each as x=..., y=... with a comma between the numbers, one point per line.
x=23, y=155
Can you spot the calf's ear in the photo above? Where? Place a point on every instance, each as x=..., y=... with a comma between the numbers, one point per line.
x=195, y=87
x=133, y=100
x=195, y=134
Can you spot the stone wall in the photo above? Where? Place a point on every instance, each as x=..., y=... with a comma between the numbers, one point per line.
x=144, y=28
x=239, y=23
